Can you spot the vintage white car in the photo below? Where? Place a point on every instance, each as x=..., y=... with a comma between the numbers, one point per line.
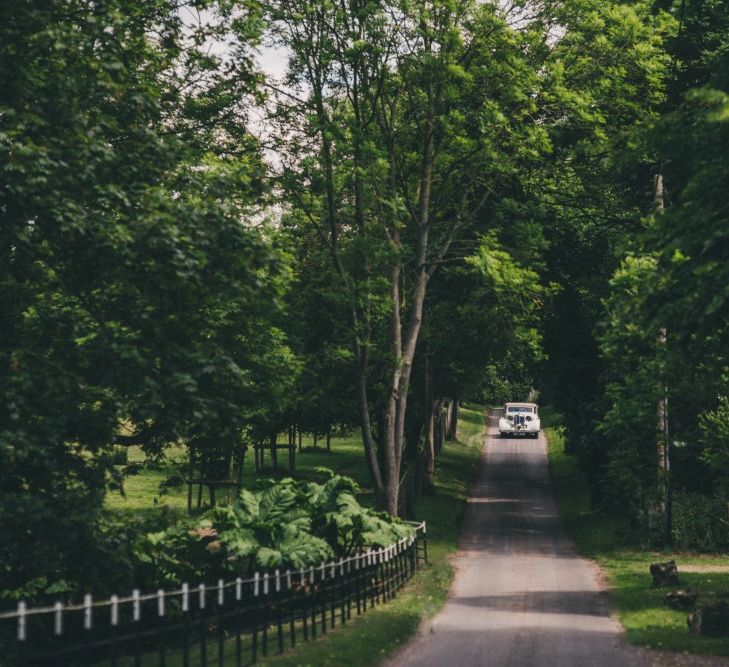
x=519, y=419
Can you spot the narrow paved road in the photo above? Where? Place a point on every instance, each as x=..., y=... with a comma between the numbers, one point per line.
x=522, y=597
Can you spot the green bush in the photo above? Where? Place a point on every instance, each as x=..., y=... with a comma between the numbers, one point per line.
x=700, y=522
x=285, y=524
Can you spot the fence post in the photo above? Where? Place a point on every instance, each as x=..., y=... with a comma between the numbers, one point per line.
x=279, y=612
x=88, y=622
x=292, y=609
x=238, y=643
x=221, y=623
x=322, y=569
x=343, y=592
x=304, y=610
x=254, y=637
x=137, y=618
x=114, y=622
x=161, y=617
x=371, y=571
x=22, y=633
x=202, y=606
x=186, y=632
x=425, y=542
x=393, y=571
x=265, y=615
x=312, y=581
x=332, y=595
x=358, y=583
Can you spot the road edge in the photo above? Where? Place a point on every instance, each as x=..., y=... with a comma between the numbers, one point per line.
x=425, y=627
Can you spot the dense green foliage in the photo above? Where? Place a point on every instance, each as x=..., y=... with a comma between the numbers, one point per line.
x=656, y=262
x=285, y=524
x=131, y=296
x=444, y=199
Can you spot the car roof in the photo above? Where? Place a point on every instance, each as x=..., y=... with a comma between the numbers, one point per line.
x=521, y=405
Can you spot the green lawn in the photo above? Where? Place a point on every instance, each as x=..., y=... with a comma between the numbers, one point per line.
x=612, y=545
x=142, y=490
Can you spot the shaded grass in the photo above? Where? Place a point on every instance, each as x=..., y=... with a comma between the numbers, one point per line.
x=614, y=546
x=142, y=490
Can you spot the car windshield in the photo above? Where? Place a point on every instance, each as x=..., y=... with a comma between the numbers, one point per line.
x=519, y=409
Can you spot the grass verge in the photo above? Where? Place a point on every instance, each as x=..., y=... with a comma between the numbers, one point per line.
x=608, y=541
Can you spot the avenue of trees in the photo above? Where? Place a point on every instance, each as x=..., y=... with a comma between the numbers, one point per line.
x=440, y=198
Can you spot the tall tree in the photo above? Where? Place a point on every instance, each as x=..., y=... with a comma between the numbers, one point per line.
x=607, y=67
x=408, y=99
x=122, y=255
x=685, y=249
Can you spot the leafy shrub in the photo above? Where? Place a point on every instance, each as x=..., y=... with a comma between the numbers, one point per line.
x=285, y=524
x=700, y=522
x=714, y=428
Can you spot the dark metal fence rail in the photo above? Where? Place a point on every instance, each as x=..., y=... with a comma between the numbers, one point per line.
x=230, y=623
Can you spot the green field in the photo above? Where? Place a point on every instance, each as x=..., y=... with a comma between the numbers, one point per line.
x=142, y=490
x=368, y=638
x=642, y=609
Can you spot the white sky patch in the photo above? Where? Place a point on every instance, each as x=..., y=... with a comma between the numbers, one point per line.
x=273, y=61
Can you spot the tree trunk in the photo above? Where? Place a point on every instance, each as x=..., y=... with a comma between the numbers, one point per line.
x=361, y=352
x=429, y=427
x=452, y=433
x=403, y=350
x=367, y=437
x=274, y=452
x=401, y=381
x=391, y=465
x=664, y=448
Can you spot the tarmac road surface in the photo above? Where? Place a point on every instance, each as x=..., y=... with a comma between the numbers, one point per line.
x=522, y=596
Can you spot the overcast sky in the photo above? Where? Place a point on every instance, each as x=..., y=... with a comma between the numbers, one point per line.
x=272, y=60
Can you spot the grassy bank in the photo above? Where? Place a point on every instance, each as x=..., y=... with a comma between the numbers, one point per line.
x=642, y=609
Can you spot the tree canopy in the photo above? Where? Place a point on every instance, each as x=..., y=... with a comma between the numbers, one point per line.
x=437, y=199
